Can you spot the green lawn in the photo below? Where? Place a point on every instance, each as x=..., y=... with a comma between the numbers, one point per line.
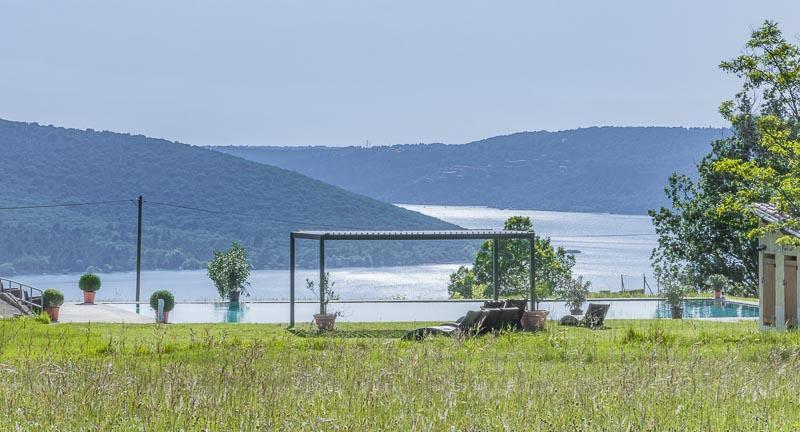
x=635, y=375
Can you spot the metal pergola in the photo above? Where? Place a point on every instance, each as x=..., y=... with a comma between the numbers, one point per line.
x=494, y=235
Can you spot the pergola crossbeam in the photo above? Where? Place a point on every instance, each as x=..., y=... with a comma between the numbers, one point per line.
x=494, y=235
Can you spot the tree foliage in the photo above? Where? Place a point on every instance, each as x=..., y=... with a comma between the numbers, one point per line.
x=709, y=227
x=771, y=71
x=553, y=267
x=229, y=270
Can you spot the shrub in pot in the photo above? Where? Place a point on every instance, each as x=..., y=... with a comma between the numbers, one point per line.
x=229, y=270
x=673, y=289
x=324, y=320
x=169, y=304
x=52, y=299
x=574, y=293
x=89, y=284
x=717, y=284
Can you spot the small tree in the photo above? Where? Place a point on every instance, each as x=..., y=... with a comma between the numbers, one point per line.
x=717, y=282
x=553, y=265
x=326, y=286
x=461, y=285
x=229, y=270
x=574, y=292
x=674, y=286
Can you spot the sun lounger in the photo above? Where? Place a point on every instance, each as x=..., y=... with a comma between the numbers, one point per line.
x=472, y=322
x=593, y=318
x=521, y=305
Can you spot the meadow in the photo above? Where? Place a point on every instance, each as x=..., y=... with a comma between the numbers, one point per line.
x=633, y=375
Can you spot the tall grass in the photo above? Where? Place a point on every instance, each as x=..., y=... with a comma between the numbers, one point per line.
x=638, y=375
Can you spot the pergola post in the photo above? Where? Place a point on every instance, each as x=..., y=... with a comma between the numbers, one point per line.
x=291, y=278
x=532, y=265
x=495, y=282
x=321, y=276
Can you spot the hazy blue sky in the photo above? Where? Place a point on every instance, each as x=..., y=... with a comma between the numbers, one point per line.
x=341, y=72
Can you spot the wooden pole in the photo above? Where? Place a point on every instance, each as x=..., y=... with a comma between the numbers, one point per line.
x=139, y=202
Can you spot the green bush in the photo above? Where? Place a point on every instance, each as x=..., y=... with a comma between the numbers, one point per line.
x=89, y=282
x=229, y=270
x=52, y=298
x=169, y=300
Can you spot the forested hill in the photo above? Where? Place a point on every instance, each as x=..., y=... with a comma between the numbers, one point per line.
x=233, y=199
x=598, y=169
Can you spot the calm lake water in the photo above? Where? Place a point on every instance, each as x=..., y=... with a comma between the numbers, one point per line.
x=609, y=245
x=600, y=259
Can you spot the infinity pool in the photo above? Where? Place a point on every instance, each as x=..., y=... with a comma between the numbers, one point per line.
x=375, y=311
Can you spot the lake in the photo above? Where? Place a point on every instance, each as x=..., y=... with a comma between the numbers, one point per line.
x=609, y=246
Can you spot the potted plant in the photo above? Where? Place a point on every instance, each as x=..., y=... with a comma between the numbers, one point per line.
x=52, y=299
x=324, y=320
x=534, y=320
x=717, y=283
x=169, y=304
x=574, y=293
x=89, y=284
x=674, y=290
x=229, y=270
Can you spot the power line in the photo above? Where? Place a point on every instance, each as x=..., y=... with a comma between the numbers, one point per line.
x=273, y=219
x=63, y=205
x=287, y=221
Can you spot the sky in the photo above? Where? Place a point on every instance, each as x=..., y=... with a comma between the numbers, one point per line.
x=260, y=72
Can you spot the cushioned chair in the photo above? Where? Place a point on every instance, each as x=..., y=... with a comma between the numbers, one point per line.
x=521, y=305
x=491, y=320
x=593, y=318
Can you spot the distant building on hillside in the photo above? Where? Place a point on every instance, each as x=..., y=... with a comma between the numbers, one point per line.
x=778, y=274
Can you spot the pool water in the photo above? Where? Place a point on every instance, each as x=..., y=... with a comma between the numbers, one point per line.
x=388, y=311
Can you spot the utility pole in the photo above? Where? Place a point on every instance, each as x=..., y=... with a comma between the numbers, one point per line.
x=139, y=253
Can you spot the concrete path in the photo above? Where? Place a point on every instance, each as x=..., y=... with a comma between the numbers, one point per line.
x=101, y=313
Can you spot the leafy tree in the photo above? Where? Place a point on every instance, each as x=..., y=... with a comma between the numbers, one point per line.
x=771, y=69
x=709, y=228
x=553, y=266
x=461, y=283
x=229, y=270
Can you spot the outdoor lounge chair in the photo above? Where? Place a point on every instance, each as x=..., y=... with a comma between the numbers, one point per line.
x=593, y=318
x=472, y=322
x=521, y=305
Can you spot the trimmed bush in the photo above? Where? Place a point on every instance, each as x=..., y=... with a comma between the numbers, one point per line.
x=169, y=300
x=52, y=298
x=89, y=282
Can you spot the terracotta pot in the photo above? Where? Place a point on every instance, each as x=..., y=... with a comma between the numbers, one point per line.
x=88, y=297
x=717, y=294
x=233, y=296
x=534, y=320
x=325, y=322
x=677, y=312
x=166, y=317
x=53, y=312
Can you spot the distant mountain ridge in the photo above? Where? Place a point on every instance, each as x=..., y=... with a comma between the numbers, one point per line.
x=597, y=169
x=196, y=200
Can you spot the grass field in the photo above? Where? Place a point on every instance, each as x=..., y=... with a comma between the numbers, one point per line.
x=635, y=375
